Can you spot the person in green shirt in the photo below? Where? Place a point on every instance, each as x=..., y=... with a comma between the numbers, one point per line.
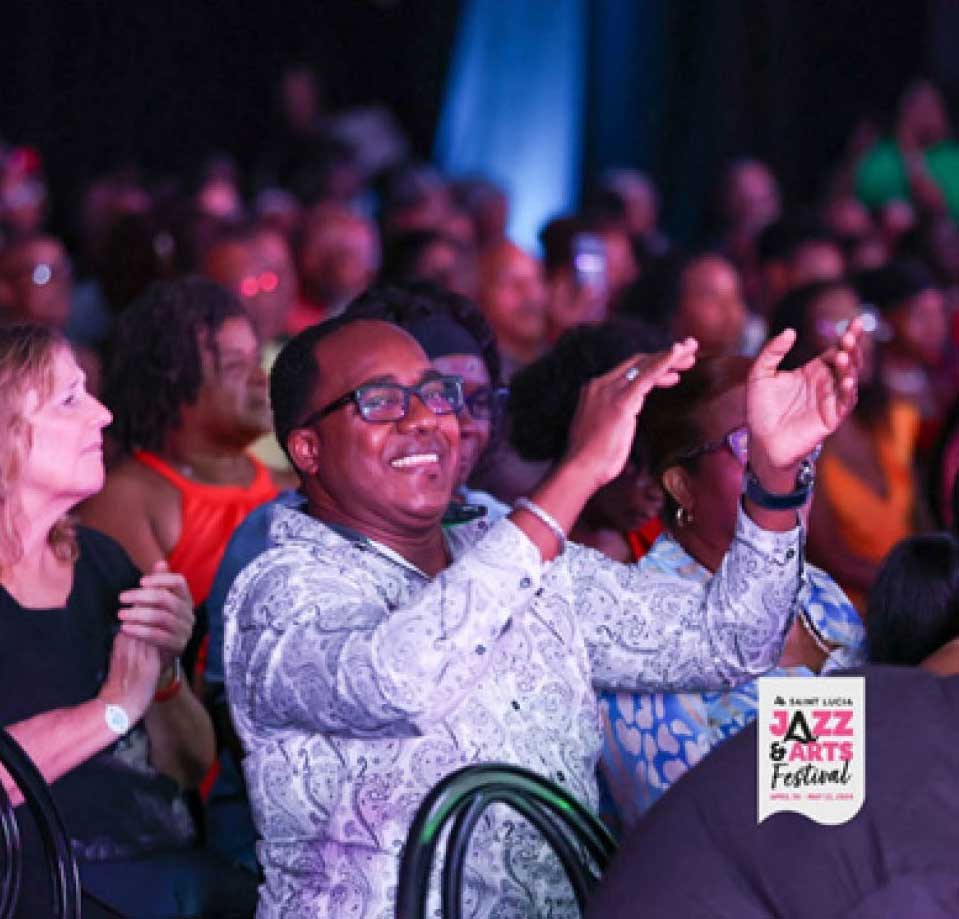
x=919, y=162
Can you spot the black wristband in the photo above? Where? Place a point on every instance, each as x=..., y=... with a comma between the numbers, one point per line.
x=753, y=489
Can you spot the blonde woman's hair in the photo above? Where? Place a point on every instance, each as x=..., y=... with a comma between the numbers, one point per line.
x=27, y=353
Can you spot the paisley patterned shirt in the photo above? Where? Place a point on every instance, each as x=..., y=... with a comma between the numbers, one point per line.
x=356, y=682
x=651, y=739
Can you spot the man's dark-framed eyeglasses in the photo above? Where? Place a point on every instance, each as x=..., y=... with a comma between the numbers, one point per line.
x=486, y=402
x=385, y=402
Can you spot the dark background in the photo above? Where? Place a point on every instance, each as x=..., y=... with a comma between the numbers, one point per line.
x=674, y=86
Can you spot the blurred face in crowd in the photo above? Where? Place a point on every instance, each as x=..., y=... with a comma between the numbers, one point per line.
x=23, y=192
x=816, y=260
x=381, y=478
x=459, y=225
x=431, y=210
x=848, y=218
x=259, y=270
x=277, y=284
x=449, y=265
x=752, y=197
x=867, y=253
x=711, y=307
x=642, y=206
x=627, y=502
x=512, y=296
x=920, y=327
x=896, y=218
x=338, y=257
x=621, y=267
x=474, y=429
x=571, y=303
x=219, y=198
x=923, y=121
x=36, y=282
x=829, y=317
x=65, y=458
x=233, y=406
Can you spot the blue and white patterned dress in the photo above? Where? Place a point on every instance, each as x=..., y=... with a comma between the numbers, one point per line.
x=651, y=739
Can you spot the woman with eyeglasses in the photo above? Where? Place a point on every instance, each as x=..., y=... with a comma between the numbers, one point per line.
x=699, y=451
x=866, y=493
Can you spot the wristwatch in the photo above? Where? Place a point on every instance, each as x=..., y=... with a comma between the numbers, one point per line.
x=805, y=479
x=117, y=719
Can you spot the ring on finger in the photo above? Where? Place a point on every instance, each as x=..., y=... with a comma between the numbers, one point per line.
x=631, y=374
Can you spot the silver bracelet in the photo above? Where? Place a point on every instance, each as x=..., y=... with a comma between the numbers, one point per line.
x=548, y=520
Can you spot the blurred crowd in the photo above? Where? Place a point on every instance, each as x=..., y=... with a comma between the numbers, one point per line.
x=177, y=294
x=335, y=205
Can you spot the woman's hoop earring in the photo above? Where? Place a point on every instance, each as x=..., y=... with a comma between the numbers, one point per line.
x=683, y=517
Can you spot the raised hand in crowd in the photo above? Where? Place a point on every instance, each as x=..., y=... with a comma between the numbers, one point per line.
x=790, y=413
x=601, y=437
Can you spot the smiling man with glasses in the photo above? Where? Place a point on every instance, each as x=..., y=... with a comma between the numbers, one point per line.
x=371, y=651
x=459, y=343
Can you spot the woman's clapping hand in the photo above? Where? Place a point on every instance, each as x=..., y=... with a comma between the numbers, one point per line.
x=159, y=612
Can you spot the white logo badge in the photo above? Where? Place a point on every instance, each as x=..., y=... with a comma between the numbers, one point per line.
x=811, y=747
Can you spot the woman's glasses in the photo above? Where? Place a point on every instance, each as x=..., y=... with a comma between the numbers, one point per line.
x=737, y=442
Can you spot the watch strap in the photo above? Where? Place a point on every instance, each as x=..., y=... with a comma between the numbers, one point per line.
x=770, y=501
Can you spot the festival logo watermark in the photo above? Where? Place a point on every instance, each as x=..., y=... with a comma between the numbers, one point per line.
x=811, y=747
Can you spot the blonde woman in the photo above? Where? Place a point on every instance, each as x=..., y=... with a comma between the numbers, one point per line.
x=89, y=680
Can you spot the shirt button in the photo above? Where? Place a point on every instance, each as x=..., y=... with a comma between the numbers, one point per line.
x=560, y=776
x=481, y=649
x=526, y=582
x=790, y=553
x=516, y=705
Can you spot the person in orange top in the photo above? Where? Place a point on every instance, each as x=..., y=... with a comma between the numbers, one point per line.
x=188, y=397
x=865, y=489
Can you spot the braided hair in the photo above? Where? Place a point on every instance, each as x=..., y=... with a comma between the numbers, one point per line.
x=156, y=366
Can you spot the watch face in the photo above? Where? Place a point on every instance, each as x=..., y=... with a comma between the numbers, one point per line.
x=117, y=719
x=807, y=474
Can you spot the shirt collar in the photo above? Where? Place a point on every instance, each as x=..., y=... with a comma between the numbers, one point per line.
x=291, y=525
